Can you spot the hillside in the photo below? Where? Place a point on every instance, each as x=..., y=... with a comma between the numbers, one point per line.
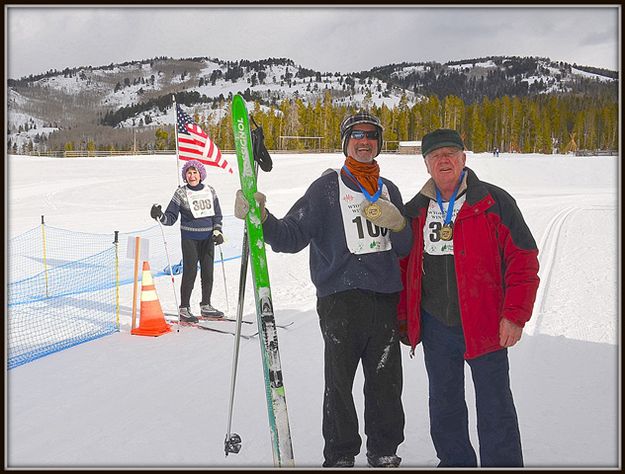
x=112, y=103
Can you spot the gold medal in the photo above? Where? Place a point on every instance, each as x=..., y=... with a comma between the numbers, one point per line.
x=447, y=232
x=372, y=211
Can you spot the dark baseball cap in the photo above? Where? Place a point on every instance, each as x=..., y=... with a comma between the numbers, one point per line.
x=441, y=138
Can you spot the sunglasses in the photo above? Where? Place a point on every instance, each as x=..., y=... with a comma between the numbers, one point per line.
x=360, y=134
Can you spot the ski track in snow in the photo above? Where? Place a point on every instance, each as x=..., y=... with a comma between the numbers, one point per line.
x=550, y=245
x=547, y=254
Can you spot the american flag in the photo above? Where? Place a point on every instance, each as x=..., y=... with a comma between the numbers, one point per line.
x=195, y=144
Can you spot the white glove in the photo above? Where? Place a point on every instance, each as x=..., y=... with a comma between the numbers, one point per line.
x=389, y=216
x=242, y=207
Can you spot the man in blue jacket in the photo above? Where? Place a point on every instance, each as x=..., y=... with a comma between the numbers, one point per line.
x=352, y=219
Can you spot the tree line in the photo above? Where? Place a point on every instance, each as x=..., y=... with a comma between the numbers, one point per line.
x=530, y=124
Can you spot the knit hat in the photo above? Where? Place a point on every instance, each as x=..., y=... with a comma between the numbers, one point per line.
x=194, y=164
x=439, y=139
x=359, y=117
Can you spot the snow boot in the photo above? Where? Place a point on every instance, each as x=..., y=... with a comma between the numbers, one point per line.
x=341, y=461
x=391, y=460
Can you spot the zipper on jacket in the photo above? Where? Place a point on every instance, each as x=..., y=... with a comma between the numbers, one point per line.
x=447, y=288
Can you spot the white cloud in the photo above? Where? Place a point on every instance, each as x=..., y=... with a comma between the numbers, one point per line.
x=323, y=38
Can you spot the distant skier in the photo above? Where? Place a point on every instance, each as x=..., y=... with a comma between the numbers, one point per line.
x=200, y=228
x=352, y=219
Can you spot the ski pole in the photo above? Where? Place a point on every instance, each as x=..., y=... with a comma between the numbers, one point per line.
x=232, y=443
x=223, y=268
x=171, y=273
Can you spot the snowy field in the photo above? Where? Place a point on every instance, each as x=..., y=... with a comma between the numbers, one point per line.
x=133, y=401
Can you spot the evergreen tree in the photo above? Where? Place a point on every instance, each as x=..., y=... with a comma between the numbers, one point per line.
x=90, y=147
x=402, y=114
x=388, y=121
x=432, y=114
x=453, y=111
x=477, y=140
x=161, y=139
x=516, y=125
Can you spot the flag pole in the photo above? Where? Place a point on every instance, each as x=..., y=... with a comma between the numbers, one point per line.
x=176, y=135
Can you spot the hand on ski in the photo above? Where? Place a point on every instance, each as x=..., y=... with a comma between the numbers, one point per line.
x=155, y=212
x=218, y=237
x=242, y=207
x=389, y=216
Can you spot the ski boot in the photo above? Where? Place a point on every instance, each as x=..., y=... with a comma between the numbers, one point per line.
x=186, y=316
x=208, y=312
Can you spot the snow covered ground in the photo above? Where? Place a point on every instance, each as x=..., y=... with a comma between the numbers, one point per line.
x=133, y=401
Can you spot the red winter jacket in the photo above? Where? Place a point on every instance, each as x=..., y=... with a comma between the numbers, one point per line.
x=496, y=263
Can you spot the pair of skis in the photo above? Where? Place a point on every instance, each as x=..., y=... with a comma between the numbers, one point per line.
x=221, y=325
x=254, y=249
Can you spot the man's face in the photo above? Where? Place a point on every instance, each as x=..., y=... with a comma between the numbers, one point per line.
x=445, y=166
x=363, y=149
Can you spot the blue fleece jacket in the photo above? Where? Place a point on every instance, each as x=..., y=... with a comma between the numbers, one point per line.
x=316, y=219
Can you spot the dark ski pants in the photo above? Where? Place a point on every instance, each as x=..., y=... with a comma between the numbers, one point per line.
x=497, y=425
x=194, y=251
x=361, y=326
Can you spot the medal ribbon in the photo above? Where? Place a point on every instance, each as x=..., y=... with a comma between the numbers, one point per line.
x=370, y=197
x=452, y=200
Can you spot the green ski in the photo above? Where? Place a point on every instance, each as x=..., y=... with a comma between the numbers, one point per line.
x=272, y=369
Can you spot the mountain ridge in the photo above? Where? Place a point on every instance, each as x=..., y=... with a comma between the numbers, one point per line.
x=137, y=94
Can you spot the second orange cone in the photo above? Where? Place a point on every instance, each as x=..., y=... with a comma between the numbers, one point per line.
x=152, y=320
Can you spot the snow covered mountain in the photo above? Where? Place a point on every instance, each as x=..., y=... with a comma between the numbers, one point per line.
x=138, y=93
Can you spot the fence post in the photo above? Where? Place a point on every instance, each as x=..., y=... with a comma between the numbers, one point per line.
x=116, y=243
x=45, y=262
x=136, y=282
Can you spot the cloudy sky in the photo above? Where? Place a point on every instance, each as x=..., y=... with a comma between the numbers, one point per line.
x=326, y=39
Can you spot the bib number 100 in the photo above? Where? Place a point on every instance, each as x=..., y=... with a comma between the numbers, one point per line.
x=372, y=229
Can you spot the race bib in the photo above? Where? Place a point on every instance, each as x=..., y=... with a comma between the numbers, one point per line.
x=361, y=235
x=201, y=202
x=433, y=242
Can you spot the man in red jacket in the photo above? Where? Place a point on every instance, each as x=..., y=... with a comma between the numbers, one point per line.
x=470, y=282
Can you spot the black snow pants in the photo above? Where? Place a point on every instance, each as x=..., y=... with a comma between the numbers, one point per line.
x=194, y=251
x=361, y=326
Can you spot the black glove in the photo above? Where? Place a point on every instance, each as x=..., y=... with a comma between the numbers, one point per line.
x=261, y=155
x=218, y=237
x=155, y=212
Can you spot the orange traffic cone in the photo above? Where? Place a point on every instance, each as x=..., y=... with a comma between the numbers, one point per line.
x=152, y=320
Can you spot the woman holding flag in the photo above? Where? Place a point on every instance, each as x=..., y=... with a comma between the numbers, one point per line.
x=200, y=227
